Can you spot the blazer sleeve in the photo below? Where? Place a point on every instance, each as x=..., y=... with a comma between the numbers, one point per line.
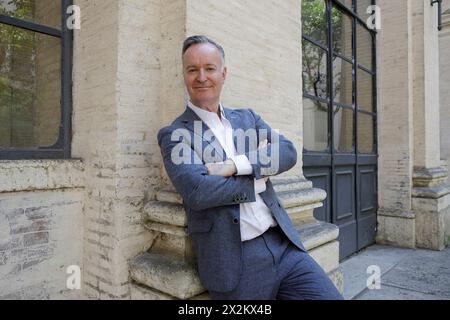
x=278, y=157
x=199, y=190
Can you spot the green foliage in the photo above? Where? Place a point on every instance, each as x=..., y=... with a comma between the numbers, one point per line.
x=17, y=59
x=21, y=9
x=315, y=26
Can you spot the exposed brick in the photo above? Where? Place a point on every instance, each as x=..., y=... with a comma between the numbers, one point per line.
x=32, y=239
x=31, y=226
x=38, y=213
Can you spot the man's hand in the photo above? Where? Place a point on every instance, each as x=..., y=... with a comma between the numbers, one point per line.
x=225, y=169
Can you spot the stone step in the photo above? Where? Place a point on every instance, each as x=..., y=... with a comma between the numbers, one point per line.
x=140, y=292
x=166, y=213
x=318, y=233
x=297, y=198
x=288, y=184
x=169, y=195
x=166, y=273
x=165, y=228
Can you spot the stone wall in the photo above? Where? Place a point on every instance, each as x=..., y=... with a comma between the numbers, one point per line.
x=41, y=214
x=116, y=115
x=444, y=49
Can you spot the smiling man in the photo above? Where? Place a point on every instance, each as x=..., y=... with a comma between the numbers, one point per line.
x=245, y=243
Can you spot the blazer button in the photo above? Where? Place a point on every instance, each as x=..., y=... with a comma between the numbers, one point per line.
x=236, y=221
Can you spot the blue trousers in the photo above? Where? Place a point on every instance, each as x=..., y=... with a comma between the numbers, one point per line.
x=275, y=269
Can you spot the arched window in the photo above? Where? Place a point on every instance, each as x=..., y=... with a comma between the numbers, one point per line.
x=35, y=79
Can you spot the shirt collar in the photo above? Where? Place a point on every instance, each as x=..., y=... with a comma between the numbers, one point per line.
x=206, y=115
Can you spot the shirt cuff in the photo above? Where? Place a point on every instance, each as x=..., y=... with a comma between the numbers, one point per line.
x=243, y=166
x=260, y=186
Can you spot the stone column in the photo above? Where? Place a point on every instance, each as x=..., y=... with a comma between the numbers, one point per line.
x=264, y=73
x=444, y=70
x=431, y=194
x=395, y=125
x=414, y=197
x=116, y=103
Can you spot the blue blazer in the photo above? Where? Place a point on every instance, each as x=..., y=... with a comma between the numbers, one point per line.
x=212, y=203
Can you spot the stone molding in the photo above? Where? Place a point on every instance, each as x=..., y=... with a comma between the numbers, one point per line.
x=38, y=175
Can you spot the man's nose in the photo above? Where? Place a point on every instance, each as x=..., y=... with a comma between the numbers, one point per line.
x=201, y=76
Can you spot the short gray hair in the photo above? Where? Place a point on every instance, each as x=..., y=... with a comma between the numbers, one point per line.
x=189, y=42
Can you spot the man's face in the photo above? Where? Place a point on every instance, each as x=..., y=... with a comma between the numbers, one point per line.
x=204, y=75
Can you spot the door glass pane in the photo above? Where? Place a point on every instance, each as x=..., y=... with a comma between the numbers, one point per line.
x=365, y=133
x=364, y=47
x=315, y=125
x=45, y=12
x=365, y=91
x=314, y=70
x=314, y=22
x=343, y=129
x=343, y=81
x=30, y=88
x=342, y=33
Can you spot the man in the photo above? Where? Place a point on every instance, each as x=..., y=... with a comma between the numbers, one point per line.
x=245, y=243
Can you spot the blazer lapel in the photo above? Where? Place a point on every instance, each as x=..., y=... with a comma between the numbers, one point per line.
x=192, y=121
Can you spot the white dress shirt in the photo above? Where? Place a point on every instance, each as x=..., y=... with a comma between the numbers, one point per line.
x=256, y=217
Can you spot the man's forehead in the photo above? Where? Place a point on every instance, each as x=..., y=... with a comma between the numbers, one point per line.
x=205, y=52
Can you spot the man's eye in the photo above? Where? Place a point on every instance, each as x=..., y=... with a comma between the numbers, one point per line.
x=211, y=69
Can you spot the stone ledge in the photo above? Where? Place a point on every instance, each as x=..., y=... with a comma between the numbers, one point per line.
x=33, y=175
x=166, y=213
x=170, y=196
x=431, y=193
x=168, y=273
x=316, y=234
x=282, y=184
x=429, y=177
x=165, y=228
x=139, y=292
x=305, y=197
x=383, y=212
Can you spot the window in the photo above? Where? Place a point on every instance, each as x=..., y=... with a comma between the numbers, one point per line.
x=35, y=79
x=339, y=92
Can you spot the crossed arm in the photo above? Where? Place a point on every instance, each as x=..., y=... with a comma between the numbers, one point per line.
x=214, y=185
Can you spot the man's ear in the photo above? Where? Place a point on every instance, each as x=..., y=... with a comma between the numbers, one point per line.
x=224, y=73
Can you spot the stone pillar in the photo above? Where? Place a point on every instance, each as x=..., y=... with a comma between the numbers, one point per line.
x=260, y=75
x=431, y=194
x=395, y=81
x=414, y=202
x=116, y=103
x=444, y=69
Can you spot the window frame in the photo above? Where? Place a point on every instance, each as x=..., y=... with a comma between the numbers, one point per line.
x=62, y=148
x=328, y=48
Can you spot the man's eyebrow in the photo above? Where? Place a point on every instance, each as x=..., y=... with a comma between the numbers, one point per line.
x=208, y=65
